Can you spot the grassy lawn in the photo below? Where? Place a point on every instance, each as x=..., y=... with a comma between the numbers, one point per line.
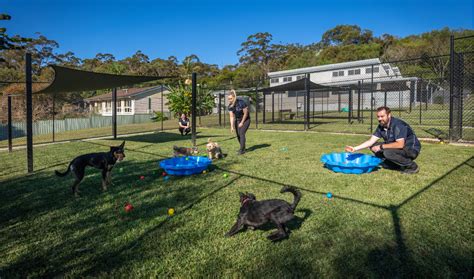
x=382, y=224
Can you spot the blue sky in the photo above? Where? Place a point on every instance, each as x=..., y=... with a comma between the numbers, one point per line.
x=214, y=29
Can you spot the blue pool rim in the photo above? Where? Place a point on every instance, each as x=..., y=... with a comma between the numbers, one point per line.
x=350, y=163
x=187, y=165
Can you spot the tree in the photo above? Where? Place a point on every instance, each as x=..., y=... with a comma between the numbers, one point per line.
x=346, y=35
x=257, y=50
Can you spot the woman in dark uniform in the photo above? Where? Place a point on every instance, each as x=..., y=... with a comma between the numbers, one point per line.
x=239, y=119
x=184, y=124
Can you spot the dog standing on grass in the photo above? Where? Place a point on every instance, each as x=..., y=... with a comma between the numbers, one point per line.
x=104, y=161
x=254, y=214
x=213, y=149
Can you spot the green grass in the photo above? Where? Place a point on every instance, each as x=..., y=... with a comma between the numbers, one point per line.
x=382, y=224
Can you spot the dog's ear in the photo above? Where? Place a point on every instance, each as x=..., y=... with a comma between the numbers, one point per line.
x=241, y=195
x=122, y=145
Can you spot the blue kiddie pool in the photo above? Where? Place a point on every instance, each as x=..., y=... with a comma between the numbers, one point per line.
x=187, y=165
x=353, y=163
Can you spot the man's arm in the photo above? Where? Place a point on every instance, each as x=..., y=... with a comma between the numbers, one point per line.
x=373, y=139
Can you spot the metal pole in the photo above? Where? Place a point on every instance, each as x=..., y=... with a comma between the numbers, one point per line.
x=297, y=104
x=339, y=101
x=114, y=112
x=451, y=88
x=308, y=88
x=385, y=98
x=224, y=107
x=349, y=116
x=420, y=94
x=10, y=135
x=256, y=107
x=54, y=116
x=162, y=112
x=264, y=107
x=193, y=108
x=219, y=109
x=372, y=99
x=273, y=107
x=358, y=100
x=412, y=94
x=29, y=112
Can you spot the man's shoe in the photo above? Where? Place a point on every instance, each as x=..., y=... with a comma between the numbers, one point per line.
x=389, y=165
x=412, y=169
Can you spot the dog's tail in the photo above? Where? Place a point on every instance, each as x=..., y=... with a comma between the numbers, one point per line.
x=295, y=192
x=209, y=140
x=61, y=174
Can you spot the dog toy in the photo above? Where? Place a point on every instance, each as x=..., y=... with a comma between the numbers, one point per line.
x=164, y=174
x=204, y=171
x=225, y=175
x=187, y=159
x=128, y=207
x=170, y=211
x=142, y=177
x=166, y=178
x=329, y=195
x=284, y=149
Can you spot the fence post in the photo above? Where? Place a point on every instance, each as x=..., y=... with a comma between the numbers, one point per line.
x=451, y=88
x=264, y=107
x=194, y=102
x=10, y=136
x=114, y=113
x=224, y=107
x=308, y=88
x=372, y=99
x=256, y=107
x=29, y=112
x=358, y=100
x=412, y=93
x=219, y=109
x=349, y=116
x=273, y=107
x=162, y=112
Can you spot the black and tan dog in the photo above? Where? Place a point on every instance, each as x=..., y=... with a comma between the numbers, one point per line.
x=254, y=214
x=104, y=161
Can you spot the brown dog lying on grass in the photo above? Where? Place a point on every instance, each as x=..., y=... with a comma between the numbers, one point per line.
x=185, y=151
x=105, y=161
x=254, y=214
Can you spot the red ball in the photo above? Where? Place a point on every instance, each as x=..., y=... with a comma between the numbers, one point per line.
x=142, y=177
x=128, y=207
x=164, y=174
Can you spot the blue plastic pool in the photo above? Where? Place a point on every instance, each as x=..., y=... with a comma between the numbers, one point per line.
x=185, y=165
x=353, y=163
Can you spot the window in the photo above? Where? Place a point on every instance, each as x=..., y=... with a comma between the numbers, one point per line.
x=128, y=106
x=119, y=106
x=274, y=80
x=369, y=70
x=287, y=79
x=299, y=77
x=353, y=72
x=338, y=74
x=108, y=106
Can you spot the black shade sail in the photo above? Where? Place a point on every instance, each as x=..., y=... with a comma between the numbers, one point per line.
x=71, y=80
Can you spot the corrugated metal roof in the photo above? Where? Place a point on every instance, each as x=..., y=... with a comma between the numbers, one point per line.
x=322, y=68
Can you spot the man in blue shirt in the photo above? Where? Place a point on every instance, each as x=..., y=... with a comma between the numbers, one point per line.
x=400, y=146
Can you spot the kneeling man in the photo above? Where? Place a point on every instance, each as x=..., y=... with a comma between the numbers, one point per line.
x=400, y=146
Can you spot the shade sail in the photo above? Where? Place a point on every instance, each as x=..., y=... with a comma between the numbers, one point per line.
x=71, y=80
x=298, y=85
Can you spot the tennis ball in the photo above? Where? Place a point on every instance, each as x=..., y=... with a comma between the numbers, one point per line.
x=204, y=171
x=170, y=211
x=225, y=175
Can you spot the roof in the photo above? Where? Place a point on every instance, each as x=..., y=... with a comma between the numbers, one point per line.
x=298, y=85
x=322, y=68
x=130, y=93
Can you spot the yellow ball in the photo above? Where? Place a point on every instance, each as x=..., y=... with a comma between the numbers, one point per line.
x=171, y=211
x=441, y=142
x=204, y=171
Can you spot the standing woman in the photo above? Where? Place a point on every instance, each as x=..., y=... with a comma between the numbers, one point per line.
x=239, y=118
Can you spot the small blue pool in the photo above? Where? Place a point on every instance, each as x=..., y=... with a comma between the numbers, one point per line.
x=187, y=165
x=352, y=163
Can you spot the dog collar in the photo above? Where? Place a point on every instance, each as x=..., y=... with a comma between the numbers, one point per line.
x=245, y=200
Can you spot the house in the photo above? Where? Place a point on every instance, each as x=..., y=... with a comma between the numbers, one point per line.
x=370, y=75
x=131, y=101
